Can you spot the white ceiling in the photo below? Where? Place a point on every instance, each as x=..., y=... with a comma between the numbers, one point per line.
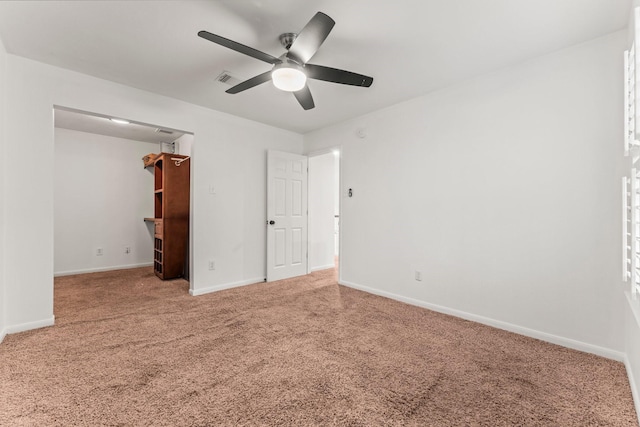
x=409, y=47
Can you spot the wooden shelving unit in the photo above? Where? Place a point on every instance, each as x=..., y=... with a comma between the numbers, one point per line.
x=171, y=214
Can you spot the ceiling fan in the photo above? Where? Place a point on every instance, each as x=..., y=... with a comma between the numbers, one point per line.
x=291, y=70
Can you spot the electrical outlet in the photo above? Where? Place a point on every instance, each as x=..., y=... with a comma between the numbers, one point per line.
x=418, y=275
x=98, y=251
x=127, y=249
x=212, y=265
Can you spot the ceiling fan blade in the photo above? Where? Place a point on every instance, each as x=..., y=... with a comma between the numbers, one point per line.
x=252, y=82
x=304, y=98
x=310, y=38
x=238, y=47
x=335, y=75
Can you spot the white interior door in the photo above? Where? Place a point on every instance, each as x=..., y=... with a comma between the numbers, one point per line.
x=286, y=215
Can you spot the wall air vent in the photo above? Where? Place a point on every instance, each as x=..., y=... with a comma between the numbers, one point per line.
x=226, y=78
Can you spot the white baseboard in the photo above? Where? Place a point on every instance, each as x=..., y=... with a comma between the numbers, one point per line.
x=323, y=267
x=101, y=269
x=14, y=329
x=543, y=336
x=196, y=292
x=3, y=333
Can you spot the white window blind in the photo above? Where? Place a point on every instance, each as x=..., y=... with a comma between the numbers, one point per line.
x=626, y=229
x=631, y=90
x=631, y=231
x=629, y=99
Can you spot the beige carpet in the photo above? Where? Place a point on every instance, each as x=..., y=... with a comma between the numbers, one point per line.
x=130, y=350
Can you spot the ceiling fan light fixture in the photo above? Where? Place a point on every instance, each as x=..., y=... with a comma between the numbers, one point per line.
x=291, y=69
x=288, y=78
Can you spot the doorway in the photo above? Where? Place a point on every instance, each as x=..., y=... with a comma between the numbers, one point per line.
x=103, y=192
x=324, y=209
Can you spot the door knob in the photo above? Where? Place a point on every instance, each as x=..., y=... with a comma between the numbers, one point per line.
x=272, y=222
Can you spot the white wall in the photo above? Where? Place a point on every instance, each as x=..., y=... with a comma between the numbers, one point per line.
x=321, y=211
x=102, y=192
x=228, y=152
x=184, y=144
x=503, y=191
x=3, y=59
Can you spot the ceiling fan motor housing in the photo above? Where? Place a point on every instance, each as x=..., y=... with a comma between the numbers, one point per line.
x=287, y=39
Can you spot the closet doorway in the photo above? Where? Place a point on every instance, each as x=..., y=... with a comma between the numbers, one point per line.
x=103, y=191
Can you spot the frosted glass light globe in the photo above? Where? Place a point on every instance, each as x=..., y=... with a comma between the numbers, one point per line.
x=288, y=79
